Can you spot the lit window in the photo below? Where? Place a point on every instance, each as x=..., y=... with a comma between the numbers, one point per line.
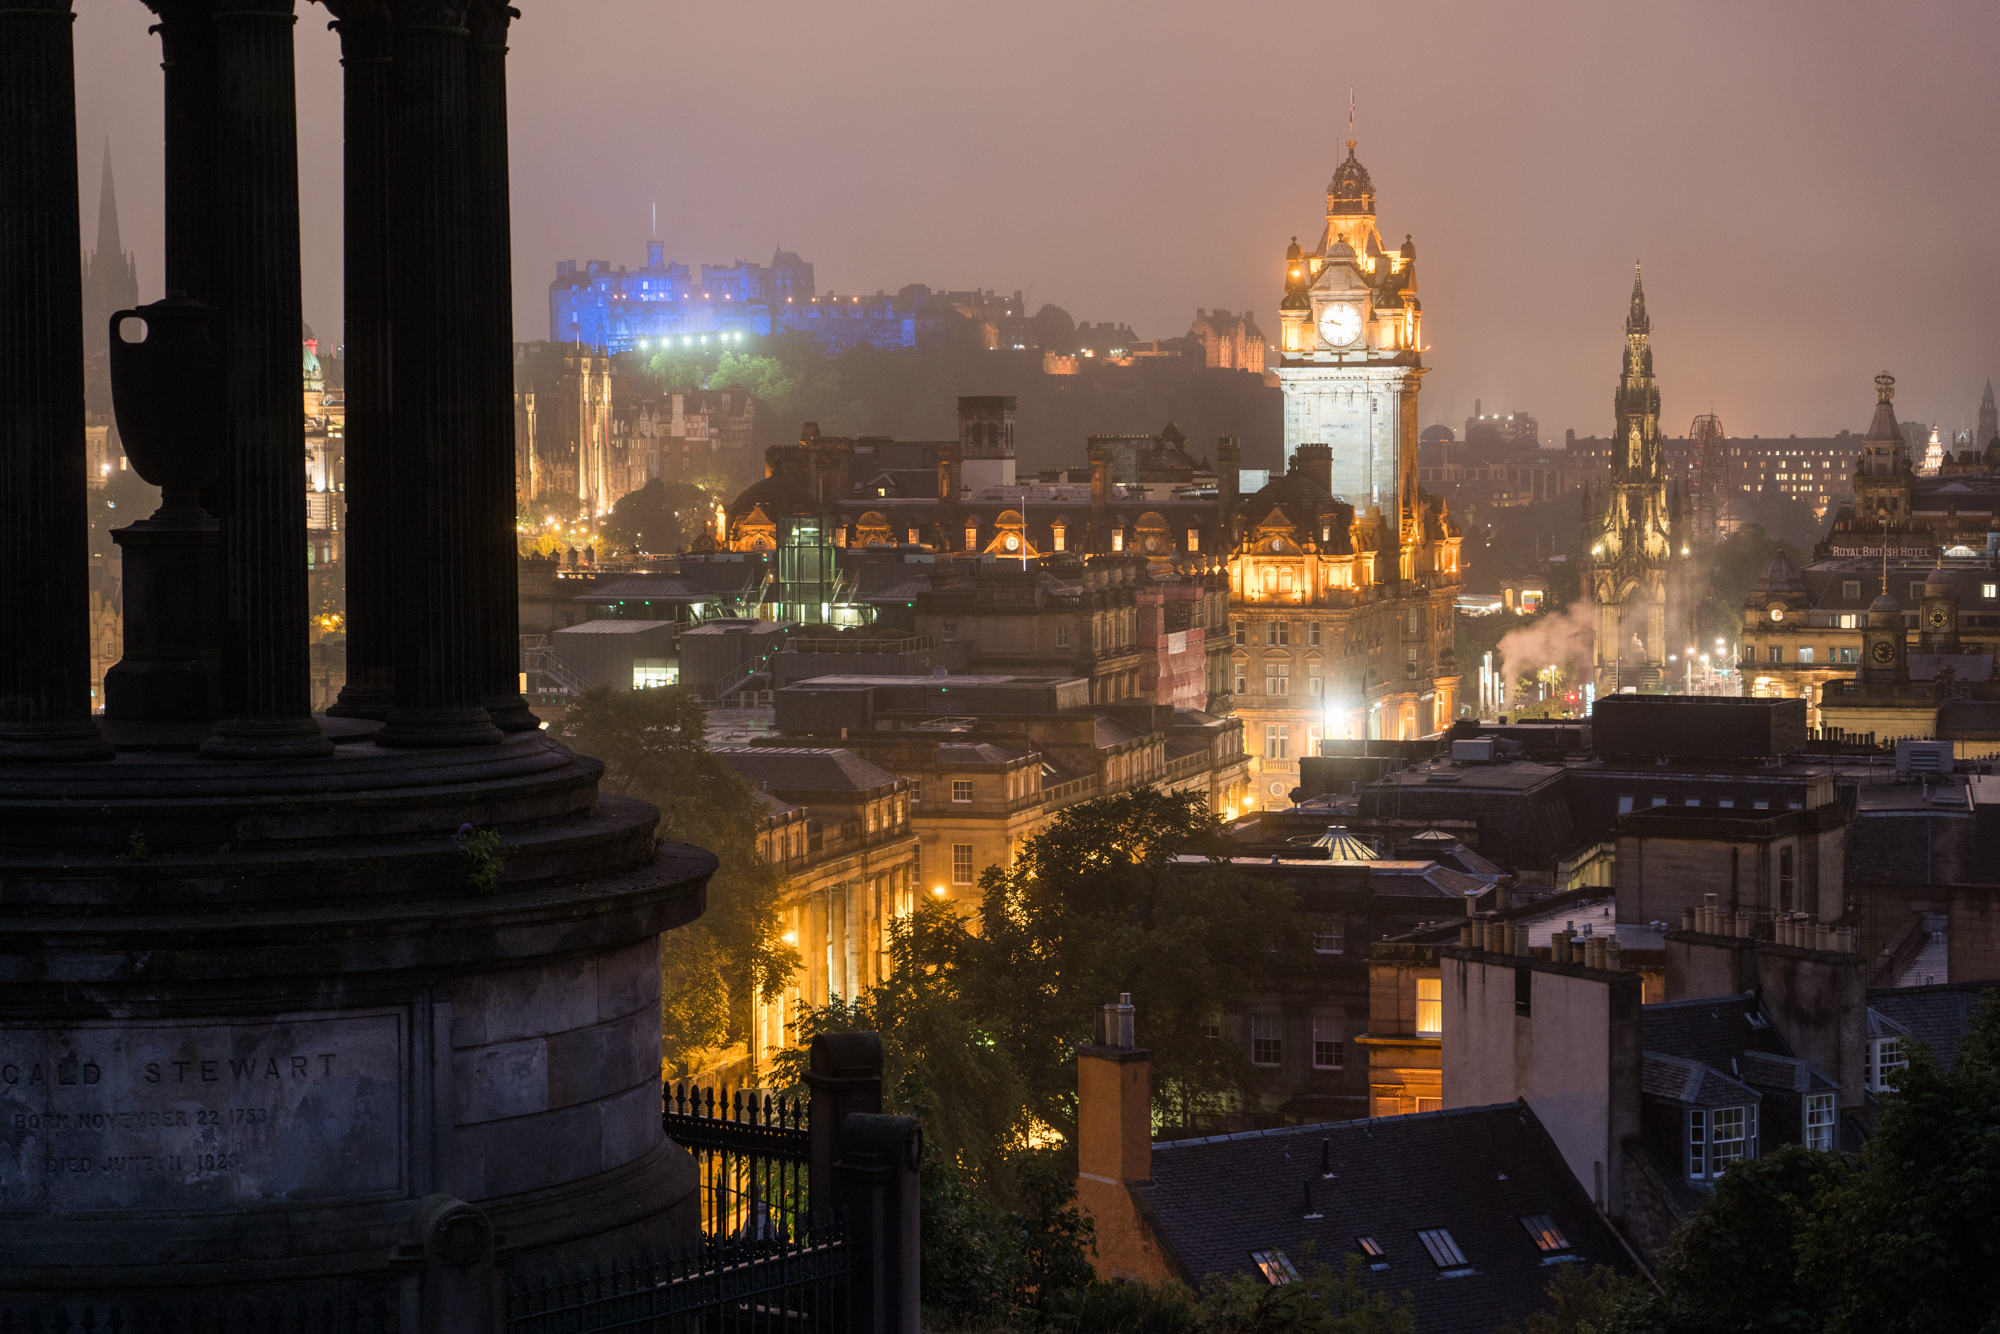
x=1989, y=591
x=1548, y=1237
x=1117, y=539
x=1371, y=1248
x=1850, y=621
x=1430, y=1005
x=1194, y=539
x=961, y=789
x=1819, y=1121
x=1443, y=1250
x=1329, y=1042
x=1275, y=1267
x=961, y=863
x=1060, y=534
x=1267, y=1044
x=1277, y=742
x=1805, y=657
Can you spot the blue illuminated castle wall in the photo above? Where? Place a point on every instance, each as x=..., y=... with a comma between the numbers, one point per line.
x=666, y=303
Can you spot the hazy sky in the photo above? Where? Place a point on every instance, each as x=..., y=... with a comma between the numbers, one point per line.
x=1812, y=186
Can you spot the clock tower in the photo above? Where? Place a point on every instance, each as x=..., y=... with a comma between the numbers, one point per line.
x=1350, y=353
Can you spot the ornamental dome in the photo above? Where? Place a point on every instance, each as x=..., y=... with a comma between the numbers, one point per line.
x=1350, y=190
x=1780, y=576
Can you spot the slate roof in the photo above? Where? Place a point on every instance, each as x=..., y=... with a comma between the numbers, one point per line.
x=1763, y=1070
x=805, y=768
x=1938, y=1016
x=1475, y=1171
x=1714, y=1031
x=645, y=588
x=981, y=752
x=1691, y=1083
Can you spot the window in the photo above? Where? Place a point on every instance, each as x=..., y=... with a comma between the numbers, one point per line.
x=1718, y=1138
x=1410, y=666
x=1443, y=1250
x=1194, y=539
x=1062, y=634
x=1277, y=678
x=1412, y=622
x=1315, y=686
x=1885, y=1058
x=1370, y=1248
x=1916, y=592
x=1850, y=621
x=1624, y=805
x=1211, y=1027
x=1237, y=631
x=1989, y=591
x=1849, y=655
x=1117, y=539
x=1275, y=1267
x=1330, y=938
x=961, y=789
x=1312, y=633
x=1692, y=801
x=1777, y=654
x=1430, y=1005
x=950, y=631
x=1430, y=1104
x=1329, y=1042
x=1060, y=534
x=1267, y=1044
x=1548, y=1237
x=971, y=538
x=1805, y=657
x=1659, y=801
x=1277, y=634
x=961, y=863
x=1242, y=682
x=1277, y=743
x=1787, y=881
x=1818, y=1128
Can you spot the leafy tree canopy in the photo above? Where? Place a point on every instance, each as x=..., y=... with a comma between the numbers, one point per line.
x=660, y=516
x=652, y=746
x=557, y=505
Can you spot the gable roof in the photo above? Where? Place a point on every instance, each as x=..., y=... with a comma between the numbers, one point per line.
x=802, y=769
x=1938, y=1016
x=1474, y=1171
x=1713, y=1031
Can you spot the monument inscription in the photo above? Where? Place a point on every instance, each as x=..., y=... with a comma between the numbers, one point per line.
x=160, y=1115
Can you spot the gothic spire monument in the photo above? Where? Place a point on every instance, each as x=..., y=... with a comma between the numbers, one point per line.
x=1989, y=419
x=1351, y=352
x=1636, y=565
x=110, y=275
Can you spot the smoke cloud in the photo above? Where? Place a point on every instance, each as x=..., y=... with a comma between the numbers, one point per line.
x=1562, y=639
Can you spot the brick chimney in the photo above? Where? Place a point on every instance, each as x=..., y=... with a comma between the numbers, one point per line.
x=1114, y=1144
x=1099, y=453
x=1316, y=462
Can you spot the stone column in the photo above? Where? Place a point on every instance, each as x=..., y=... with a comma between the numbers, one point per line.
x=493, y=338
x=253, y=220
x=44, y=556
x=365, y=49
x=435, y=378
x=187, y=61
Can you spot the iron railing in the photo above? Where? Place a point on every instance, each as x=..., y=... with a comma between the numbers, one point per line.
x=754, y=1156
x=798, y=1285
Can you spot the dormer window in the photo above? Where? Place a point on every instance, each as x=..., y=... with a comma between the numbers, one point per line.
x=1549, y=1239
x=1718, y=1137
x=1373, y=1254
x=1885, y=1057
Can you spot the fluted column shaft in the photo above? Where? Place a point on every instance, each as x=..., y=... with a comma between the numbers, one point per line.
x=435, y=378
x=267, y=701
x=493, y=339
x=366, y=70
x=187, y=63
x=44, y=552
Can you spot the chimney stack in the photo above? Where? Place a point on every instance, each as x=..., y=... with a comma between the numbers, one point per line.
x=1228, y=477
x=1114, y=1140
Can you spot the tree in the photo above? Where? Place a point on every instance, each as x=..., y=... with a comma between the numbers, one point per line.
x=652, y=746
x=1131, y=893
x=1902, y=1237
x=1319, y=1301
x=660, y=516
x=1583, y=1302
x=557, y=506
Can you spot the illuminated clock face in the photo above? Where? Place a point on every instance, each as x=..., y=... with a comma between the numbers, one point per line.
x=1938, y=618
x=1777, y=614
x=1013, y=543
x=1340, y=324
x=1883, y=651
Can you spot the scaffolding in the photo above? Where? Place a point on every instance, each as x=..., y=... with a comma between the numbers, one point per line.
x=1708, y=476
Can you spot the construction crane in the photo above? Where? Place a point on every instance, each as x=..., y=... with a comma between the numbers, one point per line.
x=1708, y=476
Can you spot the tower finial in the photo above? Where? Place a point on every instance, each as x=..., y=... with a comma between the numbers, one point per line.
x=1636, y=321
x=1885, y=387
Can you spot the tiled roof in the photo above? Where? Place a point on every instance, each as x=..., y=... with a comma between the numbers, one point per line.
x=1938, y=1016
x=980, y=752
x=1474, y=1171
x=1691, y=1082
x=1713, y=1031
x=1763, y=1070
x=784, y=769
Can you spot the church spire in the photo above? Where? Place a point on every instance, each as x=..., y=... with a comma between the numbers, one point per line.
x=1636, y=322
x=107, y=212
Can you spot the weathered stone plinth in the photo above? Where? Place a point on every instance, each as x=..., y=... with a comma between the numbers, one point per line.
x=251, y=1014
